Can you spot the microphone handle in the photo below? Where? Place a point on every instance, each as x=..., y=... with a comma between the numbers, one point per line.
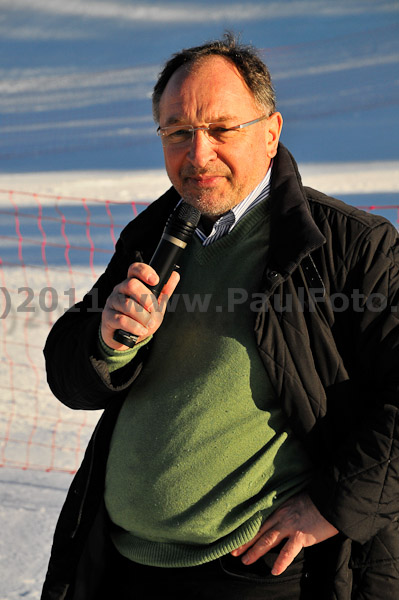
x=164, y=261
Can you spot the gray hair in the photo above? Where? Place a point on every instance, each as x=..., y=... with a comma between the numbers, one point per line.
x=246, y=59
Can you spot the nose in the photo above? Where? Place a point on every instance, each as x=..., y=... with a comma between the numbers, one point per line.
x=201, y=150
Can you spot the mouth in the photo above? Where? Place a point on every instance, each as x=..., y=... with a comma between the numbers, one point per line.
x=204, y=180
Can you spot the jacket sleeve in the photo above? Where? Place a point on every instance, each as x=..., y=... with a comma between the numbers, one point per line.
x=77, y=373
x=359, y=492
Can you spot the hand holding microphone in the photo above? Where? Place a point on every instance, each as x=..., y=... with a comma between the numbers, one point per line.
x=136, y=307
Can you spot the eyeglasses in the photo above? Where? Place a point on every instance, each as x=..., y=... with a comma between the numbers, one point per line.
x=217, y=133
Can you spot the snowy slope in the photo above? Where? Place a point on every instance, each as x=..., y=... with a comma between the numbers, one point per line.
x=75, y=120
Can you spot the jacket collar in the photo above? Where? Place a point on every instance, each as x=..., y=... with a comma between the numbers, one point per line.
x=293, y=232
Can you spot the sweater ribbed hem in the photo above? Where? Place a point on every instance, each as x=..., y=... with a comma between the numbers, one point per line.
x=158, y=554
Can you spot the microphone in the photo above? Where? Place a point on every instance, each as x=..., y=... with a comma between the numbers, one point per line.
x=178, y=231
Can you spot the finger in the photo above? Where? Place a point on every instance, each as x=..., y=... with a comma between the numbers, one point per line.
x=241, y=549
x=112, y=320
x=134, y=325
x=266, y=542
x=121, y=306
x=287, y=554
x=270, y=523
x=122, y=311
x=143, y=272
x=168, y=290
x=133, y=295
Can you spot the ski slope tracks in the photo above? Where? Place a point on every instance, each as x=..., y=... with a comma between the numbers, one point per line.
x=76, y=122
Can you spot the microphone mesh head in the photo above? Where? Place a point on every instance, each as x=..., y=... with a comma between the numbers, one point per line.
x=187, y=213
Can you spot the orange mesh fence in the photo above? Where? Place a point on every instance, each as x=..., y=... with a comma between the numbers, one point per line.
x=52, y=249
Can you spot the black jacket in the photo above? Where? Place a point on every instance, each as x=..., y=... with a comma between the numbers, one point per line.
x=332, y=359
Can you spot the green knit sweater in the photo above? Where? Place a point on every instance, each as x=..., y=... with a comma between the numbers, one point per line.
x=201, y=452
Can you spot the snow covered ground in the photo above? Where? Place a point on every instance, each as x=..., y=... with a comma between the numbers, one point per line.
x=75, y=121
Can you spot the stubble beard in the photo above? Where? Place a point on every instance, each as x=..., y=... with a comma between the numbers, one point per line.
x=209, y=202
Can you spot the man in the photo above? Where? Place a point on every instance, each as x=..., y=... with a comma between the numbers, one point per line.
x=248, y=447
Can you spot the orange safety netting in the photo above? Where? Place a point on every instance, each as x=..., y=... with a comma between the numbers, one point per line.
x=53, y=248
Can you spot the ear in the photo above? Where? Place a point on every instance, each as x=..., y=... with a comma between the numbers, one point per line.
x=274, y=126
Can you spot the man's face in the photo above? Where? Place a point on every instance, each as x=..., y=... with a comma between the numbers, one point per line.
x=215, y=177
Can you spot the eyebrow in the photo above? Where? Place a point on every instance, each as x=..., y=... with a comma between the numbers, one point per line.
x=175, y=120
